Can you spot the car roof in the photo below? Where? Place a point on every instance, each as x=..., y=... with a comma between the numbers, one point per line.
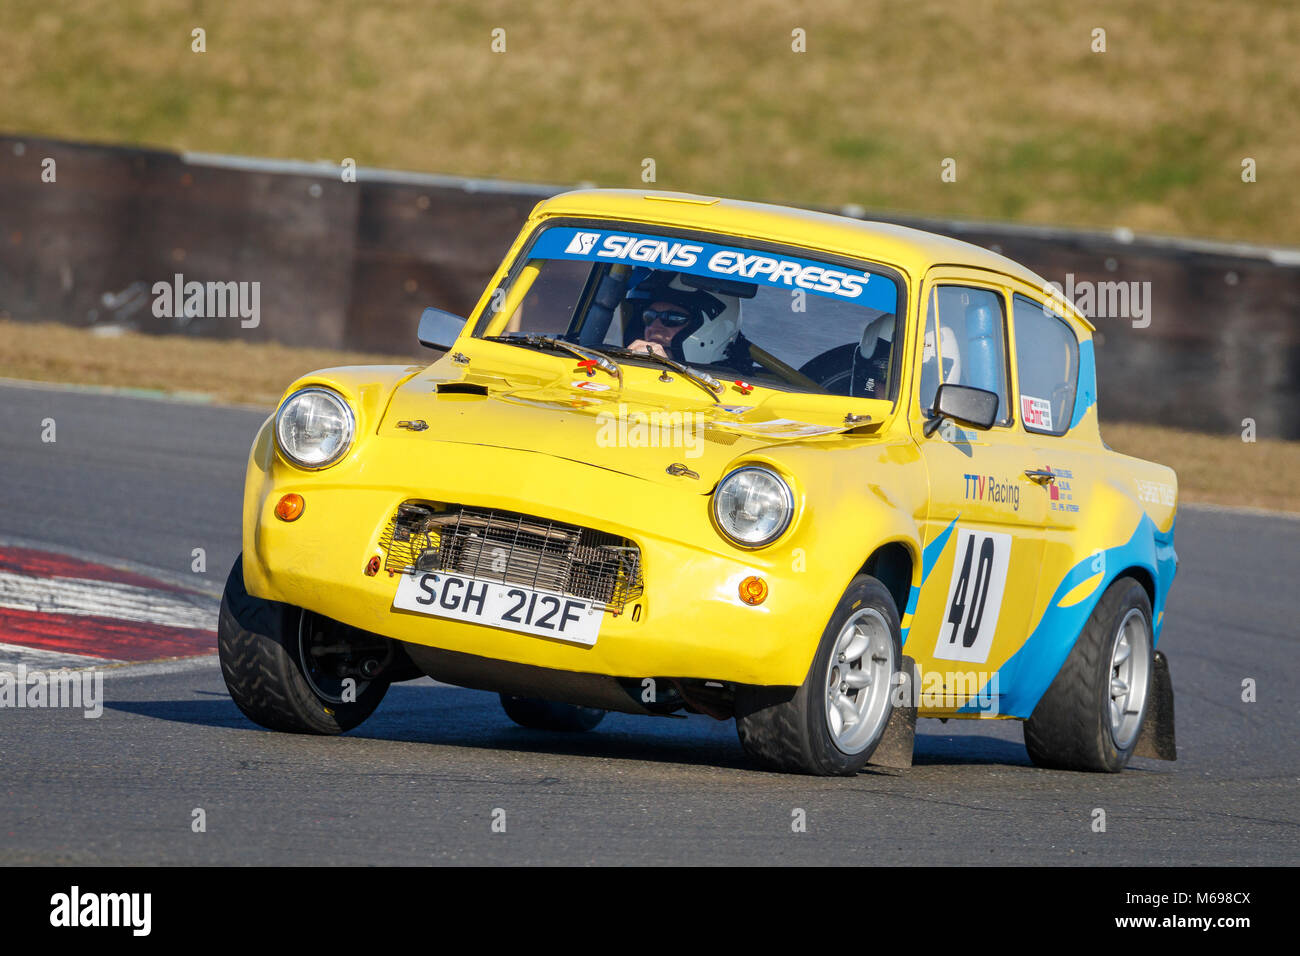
x=912, y=250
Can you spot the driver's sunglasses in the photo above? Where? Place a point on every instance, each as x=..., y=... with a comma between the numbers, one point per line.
x=673, y=320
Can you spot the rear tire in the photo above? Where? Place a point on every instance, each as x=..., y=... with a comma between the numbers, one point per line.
x=1091, y=716
x=262, y=648
x=538, y=714
x=853, y=674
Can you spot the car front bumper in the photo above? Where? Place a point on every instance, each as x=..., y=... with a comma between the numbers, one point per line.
x=690, y=622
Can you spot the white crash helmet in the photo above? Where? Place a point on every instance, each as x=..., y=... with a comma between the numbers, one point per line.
x=715, y=317
x=880, y=329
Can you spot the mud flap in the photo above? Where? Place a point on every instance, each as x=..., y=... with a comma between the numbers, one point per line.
x=895, y=747
x=1156, y=739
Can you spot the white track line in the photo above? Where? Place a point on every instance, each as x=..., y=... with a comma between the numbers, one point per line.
x=11, y=655
x=156, y=668
x=124, y=602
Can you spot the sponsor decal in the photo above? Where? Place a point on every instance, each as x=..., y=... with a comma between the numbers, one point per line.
x=581, y=243
x=989, y=488
x=954, y=434
x=1036, y=412
x=591, y=386
x=1156, y=492
x=1060, y=492
x=723, y=262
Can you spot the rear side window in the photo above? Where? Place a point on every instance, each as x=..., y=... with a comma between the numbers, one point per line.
x=1047, y=357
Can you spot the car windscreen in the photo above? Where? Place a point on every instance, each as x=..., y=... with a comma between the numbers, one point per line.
x=766, y=316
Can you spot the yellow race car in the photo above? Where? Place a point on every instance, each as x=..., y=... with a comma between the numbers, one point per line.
x=818, y=475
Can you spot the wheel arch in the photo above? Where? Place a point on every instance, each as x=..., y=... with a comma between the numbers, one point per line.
x=892, y=564
x=1140, y=573
x=856, y=526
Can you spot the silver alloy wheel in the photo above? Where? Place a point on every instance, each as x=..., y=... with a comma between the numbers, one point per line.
x=858, y=681
x=326, y=687
x=1130, y=673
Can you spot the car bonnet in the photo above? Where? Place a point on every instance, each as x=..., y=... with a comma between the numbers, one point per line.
x=626, y=431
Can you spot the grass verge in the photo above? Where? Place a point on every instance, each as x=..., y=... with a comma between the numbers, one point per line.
x=1047, y=119
x=231, y=372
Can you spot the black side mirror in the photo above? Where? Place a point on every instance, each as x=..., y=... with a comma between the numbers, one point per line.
x=438, y=329
x=970, y=406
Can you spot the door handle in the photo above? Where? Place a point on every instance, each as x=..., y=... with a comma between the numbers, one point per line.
x=1040, y=476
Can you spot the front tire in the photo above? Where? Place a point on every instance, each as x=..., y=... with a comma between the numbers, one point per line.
x=271, y=673
x=833, y=722
x=1091, y=716
x=538, y=714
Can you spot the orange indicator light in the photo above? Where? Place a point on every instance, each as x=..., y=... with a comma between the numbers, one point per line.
x=753, y=590
x=289, y=508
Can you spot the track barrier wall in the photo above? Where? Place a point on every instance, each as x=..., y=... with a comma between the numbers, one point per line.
x=1210, y=336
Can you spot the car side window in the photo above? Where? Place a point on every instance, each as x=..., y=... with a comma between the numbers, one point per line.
x=1047, y=358
x=965, y=344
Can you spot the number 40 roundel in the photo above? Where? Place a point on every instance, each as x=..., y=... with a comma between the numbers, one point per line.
x=979, y=575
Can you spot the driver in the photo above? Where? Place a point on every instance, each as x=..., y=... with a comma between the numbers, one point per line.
x=686, y=324
x=662, y=322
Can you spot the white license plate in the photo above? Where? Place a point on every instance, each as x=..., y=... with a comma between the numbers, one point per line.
x=507, y=606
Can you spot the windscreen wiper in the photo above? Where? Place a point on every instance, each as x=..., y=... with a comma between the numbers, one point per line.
x=702, y=379
x=603, y=361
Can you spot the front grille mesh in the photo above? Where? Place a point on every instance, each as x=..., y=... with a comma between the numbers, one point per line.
x=513, y=548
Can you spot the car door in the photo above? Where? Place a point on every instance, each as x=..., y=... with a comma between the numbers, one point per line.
x=983, y=531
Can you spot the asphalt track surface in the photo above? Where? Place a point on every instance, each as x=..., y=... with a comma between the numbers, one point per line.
x=145, y=481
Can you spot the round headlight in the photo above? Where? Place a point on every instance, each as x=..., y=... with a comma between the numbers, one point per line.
x=753, y=506
x=314, y=427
